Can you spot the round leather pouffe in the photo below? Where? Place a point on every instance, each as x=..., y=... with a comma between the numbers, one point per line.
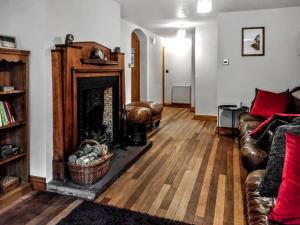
x=138, y=115
x=156, y=108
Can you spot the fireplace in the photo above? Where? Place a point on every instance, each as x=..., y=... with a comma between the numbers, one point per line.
x=98, y=109
x=88, y=95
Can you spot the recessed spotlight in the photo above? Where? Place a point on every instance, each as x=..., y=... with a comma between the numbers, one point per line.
x=204, y=6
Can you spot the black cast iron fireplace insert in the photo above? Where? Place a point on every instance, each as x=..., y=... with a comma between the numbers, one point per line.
x=98, y=109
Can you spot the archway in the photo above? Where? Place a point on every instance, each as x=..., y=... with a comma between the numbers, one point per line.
x=139, y=71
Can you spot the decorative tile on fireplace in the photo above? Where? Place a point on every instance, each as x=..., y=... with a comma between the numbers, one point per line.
x=108, y=112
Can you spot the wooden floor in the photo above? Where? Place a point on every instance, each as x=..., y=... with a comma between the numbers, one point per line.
x=189, y=174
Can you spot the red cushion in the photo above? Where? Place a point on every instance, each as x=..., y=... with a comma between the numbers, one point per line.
x=287, y=208
x=267, y=103
x=262, y=127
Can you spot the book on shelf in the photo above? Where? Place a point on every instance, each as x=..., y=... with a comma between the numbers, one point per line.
x=6, y=115
x=7, y=88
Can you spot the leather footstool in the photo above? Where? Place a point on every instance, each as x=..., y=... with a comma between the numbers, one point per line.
x=155, y=108
x=138, y=115
x=137, y=120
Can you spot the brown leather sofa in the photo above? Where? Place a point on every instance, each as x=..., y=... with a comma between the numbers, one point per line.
x=254, y=160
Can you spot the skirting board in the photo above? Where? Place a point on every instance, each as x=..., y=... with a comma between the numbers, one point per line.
x=205, y=117
x=192, y=109
x=38, y=183
x=177, y=105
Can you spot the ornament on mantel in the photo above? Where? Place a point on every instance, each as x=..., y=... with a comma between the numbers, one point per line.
x=69, y=39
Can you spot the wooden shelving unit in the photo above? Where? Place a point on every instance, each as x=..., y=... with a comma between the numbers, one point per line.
x=14, y=72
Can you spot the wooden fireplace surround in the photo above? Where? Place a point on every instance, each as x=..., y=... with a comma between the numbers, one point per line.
x=70, y=62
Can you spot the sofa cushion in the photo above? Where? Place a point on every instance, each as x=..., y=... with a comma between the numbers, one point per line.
x=257, y=90
x=272, y=179
x=291, y=118
x=287, y=208
x=261, y=128
x=263, y=140
x=267, y=103
x=253, y=157
x=257, y=208
x=248, y=126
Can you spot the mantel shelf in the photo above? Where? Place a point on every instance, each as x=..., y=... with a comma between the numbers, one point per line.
x=99, y=62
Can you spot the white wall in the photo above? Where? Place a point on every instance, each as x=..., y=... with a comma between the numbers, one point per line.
x=178, y=61
x=38, y=25
x=193, y=68
x=206, y=54
x=154, y=62
x=276, y=71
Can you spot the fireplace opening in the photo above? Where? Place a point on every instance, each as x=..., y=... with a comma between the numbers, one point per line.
x=94, y=128
x=98, y=109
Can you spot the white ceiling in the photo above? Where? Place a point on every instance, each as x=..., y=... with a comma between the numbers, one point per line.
x=163, y=17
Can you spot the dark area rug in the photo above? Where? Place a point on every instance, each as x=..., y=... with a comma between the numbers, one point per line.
x=89, y=213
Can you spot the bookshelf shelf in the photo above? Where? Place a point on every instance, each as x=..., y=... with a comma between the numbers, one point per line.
x=14, y=66
x=12, y=92
x=12, y=158
x=16, y=124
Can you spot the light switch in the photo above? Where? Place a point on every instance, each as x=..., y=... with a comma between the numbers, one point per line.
x=225, y=61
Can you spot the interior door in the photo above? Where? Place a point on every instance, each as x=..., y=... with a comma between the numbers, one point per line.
x=136, y=70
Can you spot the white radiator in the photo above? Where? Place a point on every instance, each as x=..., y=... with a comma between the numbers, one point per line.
x=181, y=94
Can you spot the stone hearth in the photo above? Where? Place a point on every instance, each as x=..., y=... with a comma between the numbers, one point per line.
x=121, y=161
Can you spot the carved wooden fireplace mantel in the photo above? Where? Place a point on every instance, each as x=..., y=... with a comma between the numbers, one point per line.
x=70, y=64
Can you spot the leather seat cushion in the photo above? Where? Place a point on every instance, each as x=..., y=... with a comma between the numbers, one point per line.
x=253, y=157
x=257, y=208
x=138, y=114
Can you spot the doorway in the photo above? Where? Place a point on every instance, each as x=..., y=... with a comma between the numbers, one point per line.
x=139, y=67
x=177, y=72
x=136, y=69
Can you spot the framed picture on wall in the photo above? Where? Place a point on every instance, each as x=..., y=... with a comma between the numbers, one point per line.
x=7, y=41
x=253, y=41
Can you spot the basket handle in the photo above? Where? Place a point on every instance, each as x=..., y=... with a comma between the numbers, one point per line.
x=90, y=141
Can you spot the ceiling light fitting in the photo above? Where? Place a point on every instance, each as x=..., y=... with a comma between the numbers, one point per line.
x=204, y=6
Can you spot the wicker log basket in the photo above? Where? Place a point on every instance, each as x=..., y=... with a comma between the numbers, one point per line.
x=91, y=173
